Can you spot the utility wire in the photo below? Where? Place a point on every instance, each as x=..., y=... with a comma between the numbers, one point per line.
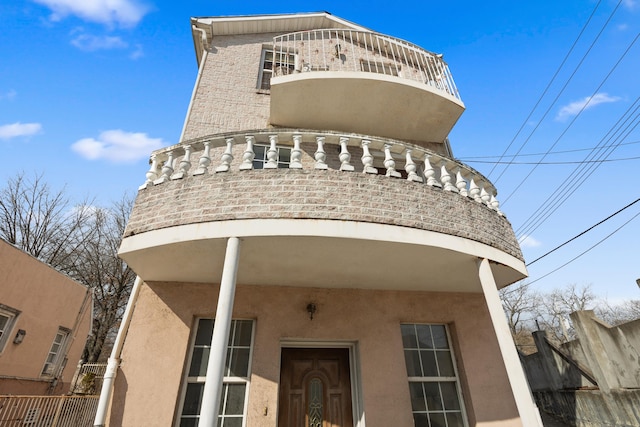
x=555, y=100
x=472, y=158
x=577, y=115
x=584, y=232
x=578, y=256
x=568, y=186
x=577, y=162
x=524, y=123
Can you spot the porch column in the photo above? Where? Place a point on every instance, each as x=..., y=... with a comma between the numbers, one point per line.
x=527, y=409
x=215, y=367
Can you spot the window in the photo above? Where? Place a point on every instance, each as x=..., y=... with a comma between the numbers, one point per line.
x=280, y=63
x=284, y=156
x=7, y=319
x=433, y=382
x=56, y=353
x=236, y=376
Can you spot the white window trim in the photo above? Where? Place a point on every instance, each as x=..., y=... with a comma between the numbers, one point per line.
x=357, y=401
x=262, y=69
x=12, y=316
x=60, y=354
x=455, y=379
x=226, y=379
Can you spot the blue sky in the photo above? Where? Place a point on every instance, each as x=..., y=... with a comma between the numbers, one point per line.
x=88, y=88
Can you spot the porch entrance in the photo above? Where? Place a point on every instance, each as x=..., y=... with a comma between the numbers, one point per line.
x=315, y=388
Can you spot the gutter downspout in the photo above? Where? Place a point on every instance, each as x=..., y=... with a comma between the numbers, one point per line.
x=114, y=360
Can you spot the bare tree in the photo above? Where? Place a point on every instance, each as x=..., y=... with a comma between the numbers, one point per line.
x=559, y=304
x=80, y=240
x=521, y=305
x=41, y=221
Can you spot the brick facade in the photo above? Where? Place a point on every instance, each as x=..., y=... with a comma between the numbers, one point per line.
x=310, y=194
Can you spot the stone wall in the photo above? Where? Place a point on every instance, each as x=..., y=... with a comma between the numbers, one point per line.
x=311, y=194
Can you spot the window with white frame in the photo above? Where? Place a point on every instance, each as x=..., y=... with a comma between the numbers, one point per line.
x=274, y=63
x=55, y=356
x=7, y=319
x=236, y=374
x=433, y=381
x=284, y=156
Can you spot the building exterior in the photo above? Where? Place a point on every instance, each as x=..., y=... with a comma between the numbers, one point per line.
x=45, y=318
x=313, y=207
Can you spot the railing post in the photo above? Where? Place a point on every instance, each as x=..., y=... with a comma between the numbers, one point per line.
x=296, y=153
x=345, y=156
x=205, y=160
x=410, y=167
x=248, y=155
x=167, y=170
x=320, y=156
x=389, y=163
x=367, y=158
x=429, y=172
x=227, y=157
x=185, y=164
x=272, y=153
x=151, y=174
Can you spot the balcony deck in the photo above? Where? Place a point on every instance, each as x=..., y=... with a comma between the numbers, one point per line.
x=362, y=82
x=308, y=216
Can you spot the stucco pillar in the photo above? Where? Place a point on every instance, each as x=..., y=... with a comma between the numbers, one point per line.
x=217, y=356
x=527, y=409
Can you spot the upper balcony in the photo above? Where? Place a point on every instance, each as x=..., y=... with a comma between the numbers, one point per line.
x=362, y=82
x=321, y=209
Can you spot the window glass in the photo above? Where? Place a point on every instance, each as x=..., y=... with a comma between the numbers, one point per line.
x=55, y=355
x=7, y=320
x=235, y=382
x=433, y=384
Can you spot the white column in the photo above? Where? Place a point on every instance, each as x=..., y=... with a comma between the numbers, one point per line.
x=527, y=409
x=217, y=357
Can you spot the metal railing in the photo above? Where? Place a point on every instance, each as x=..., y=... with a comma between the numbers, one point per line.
x=88, y=379
x=48, y=411
x=349, y=50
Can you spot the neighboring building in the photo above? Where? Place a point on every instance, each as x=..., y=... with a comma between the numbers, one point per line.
x=355, y=264
x=45, y=318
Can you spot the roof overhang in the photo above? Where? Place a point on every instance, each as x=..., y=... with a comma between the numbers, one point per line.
x=204, y=29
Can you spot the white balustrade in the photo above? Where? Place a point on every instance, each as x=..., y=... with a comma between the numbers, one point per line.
x=296, y=154
x=205, y=160
x=249, y=154
x=345, y=156
x=227, y=157
x=167, y=170
x=272, y=153
x=185, y=164
x=448, y=174
x=367, y=158
x=320, y=156
x=389, y=163
x=152, y=173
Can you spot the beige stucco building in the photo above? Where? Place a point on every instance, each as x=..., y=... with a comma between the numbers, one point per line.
x=45, y=318
x=313, y=207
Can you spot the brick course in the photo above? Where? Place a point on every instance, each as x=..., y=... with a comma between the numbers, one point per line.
x=312, y=194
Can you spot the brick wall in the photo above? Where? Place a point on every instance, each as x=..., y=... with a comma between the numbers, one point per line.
x=311, y=194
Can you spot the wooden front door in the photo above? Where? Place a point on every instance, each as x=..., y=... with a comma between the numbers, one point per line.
x=315, y=388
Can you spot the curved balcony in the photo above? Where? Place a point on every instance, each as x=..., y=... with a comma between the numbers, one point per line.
x=329, y=209
x=362, y=82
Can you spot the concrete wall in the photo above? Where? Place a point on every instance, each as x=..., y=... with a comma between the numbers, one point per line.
x=46, y=300
x=157, y=344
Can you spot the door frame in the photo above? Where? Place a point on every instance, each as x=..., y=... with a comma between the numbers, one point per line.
x=355, y=375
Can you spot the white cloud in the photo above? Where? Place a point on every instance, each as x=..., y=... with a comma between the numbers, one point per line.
x=527, y=241
x=137, y=53
x=90, y=43
x=585, y=103
x=630, y=4
x=10, y=95
x=126, y=13
x=19, y=129
x=118, y=146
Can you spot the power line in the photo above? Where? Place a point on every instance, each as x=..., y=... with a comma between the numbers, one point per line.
x=585, y=231
x=546, y=89
x=471, y=158
x=584, y=57
x=578, y=256
x=581, y=162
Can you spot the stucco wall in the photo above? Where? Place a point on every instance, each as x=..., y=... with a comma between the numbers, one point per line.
x=147, y=386
x=46, y=300
x=309, y=194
